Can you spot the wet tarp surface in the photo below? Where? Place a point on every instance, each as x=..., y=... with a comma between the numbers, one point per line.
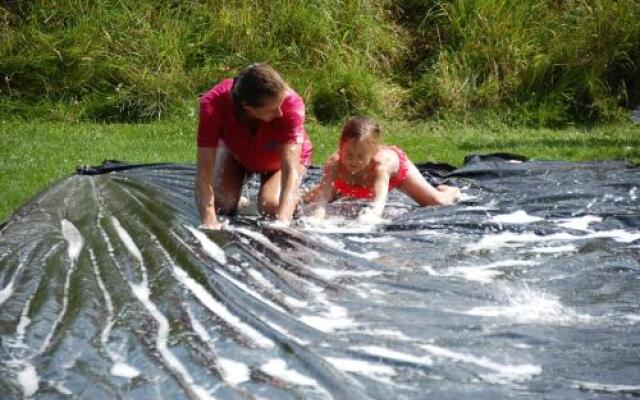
x=528, y=288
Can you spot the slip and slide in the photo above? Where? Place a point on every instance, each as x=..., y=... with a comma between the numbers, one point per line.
x=528, y=285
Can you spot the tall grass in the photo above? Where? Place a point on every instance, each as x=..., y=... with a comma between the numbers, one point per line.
x=539, y=62
x=545, y=62
x=123, y=60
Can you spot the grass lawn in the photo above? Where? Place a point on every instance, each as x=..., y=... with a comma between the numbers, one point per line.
x=35, y=154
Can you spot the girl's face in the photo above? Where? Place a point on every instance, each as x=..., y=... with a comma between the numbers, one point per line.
x=270, y=110
x=355, y=155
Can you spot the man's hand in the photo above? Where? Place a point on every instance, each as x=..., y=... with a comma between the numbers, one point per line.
x=216, y=226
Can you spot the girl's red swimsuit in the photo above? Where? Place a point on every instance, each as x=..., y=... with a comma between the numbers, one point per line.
x=365, y=192
x=259, y=151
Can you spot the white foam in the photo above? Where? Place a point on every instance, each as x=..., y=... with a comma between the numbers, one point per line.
x=76, y=242
x=569, y=248
x=337, y=224
x=252, y=292
x=234, y=372
x=60, y=387
x=371, y=290
x=124, y=370
x=395, y=355
x=218, y=308
x=127, y=240
x=120, y=367
x=633, y=317
x=465, y=196
x=7, y=291
x=293, y=302
x=210, y=248
x=505, y=372
x=580, y=223
x=528, y=306
x=332, y=273
x=605, y=387
x=512, y=239
x=378, y=239
x=28, y=380
x=198, y=328
x=339, y=246
x=362, y=367
x=27, y=375
x=75, y=239
x=335, y=318
x=278, y=368
x=142, y=293
x=434, y=232
x=105, y=294
x=516, y=217
x=212, y=304
x=23, y=324
x=619, y=235
x=258, y=237
x=392, y=333
x=486, y=273
x=261, y=279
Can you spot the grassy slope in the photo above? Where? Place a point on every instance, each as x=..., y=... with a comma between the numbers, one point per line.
x=33, y=155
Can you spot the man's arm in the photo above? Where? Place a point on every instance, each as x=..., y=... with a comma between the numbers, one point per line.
x=290, y=183
x=205, y=198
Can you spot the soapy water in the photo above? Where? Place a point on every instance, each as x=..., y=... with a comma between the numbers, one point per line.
x=109, y=290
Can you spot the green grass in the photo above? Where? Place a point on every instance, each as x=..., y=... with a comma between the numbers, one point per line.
x=539, y=62
x=35, y=154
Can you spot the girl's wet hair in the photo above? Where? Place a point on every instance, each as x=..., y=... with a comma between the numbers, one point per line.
x=256, y=84
x=360, y=128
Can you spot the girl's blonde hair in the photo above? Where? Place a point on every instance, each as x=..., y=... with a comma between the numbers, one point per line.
x=361, y=128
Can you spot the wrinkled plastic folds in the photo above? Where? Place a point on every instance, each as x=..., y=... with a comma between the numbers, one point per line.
x=527, y=288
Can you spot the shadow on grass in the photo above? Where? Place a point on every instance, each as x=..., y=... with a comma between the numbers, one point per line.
x=553, y=142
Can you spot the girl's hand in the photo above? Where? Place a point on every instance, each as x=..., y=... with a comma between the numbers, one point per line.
x=370, y=215
x=319, y=214
x=452, y=193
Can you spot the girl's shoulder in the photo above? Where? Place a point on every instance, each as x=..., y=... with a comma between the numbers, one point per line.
x=332, y=162
x=387, y=158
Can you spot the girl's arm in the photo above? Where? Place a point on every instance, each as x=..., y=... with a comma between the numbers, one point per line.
x=380, y=190
x=323, y=192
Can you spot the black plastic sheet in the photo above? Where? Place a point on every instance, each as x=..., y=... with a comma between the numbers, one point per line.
x=528, y=288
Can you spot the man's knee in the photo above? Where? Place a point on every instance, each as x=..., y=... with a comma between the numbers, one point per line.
x=227, y=205
x=268, y=207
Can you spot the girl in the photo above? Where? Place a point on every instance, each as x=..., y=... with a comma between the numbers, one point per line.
x=364, y=168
